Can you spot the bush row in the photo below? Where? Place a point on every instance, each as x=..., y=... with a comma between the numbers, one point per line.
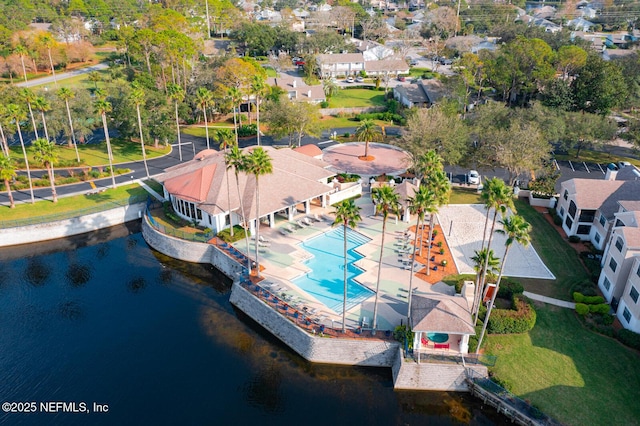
x=629, y=338
x=247, y=130
x=584, y=309
x=384, y=116
x=509, y=288
x=518, y=320
x=587, y=300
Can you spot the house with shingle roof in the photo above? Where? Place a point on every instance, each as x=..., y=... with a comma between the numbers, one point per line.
x=202, y=191
x=352, y=64
x=297, y=90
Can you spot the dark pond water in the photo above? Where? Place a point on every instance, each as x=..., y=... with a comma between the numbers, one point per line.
x=104, y=319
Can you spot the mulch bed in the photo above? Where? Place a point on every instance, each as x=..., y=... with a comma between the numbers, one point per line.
x=434, y=275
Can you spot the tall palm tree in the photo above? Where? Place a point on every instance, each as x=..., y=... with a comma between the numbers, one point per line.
x=236, y=96
x=330, y=87
x=419, y=204
x=29, y=97
x=259, y=88
x=498, y=196
x=480, y=258
x=517, y=230
x=236, y=159
x=225, y=140
x=94, y=77
x=49, y=42
x=368, y=132
x=438, y=183
x=8, y=173
x=102, y=107
x=177, y=95
x=45, y=152
x=3, y=137
x=347, y=215
x=137, y=97
x=17, y=114
x=258, y=164
x=386, y=202
x=43, y=105
x=204, y=97
x=22, y=51
x=65, y=94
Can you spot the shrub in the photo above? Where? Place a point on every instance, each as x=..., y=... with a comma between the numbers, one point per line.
x=225, y=234
x=601, y=308
x=518, y=320
x=247, y=130
x=509, y=288
x=402, y=332
x=324, y=104
x=574, y=239
x=347, y=135
x=552, y=211
x=578, y=297
x=587, y=300
x=629, y=338
x=557, y=220
x=582, y=309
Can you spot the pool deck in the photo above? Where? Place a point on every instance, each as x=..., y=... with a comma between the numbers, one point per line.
x=283, y=260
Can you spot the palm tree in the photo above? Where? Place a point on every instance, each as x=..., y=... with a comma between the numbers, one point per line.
x=204, y=97
x=419, y=204
x=225, y=140
x=258, y=88
x=236, y=159
x=49, y=42
x=3, y=137
x=22, y=51
x=29, y=97
x=17, y=114
x=517, y=230
x=496, y=196
x=236, y=96
x=368, y=132
x=43, y=105
x=347, y=215
x=7, y=173
x=102, y=107
x=480, y=258
x=177, y=94
x=438, y=183
x=386, y=202
x=258, y=164
x=66, y=94
x=45, y=152
x=137, y=97
x=330, y=88
x=94, y=76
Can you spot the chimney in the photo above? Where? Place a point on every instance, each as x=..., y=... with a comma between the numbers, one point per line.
x=612, y=172
x=467, y=292
x=309, y=93
x=294, y=84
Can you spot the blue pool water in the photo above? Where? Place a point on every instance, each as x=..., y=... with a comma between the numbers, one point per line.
x=325, y=281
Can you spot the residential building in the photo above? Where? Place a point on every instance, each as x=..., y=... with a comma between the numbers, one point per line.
x=351, y=64
x=421, y=94
x=297, y=90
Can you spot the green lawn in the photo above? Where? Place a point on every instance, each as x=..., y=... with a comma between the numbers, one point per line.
x=556, y=253
x=570, y=373
x=200, y=131
x=79, y=81
x=600, y=157
x=352, y=98
x=271, y=72
x=96, y=154
x=342, y=122
x=462, y=195
x=70, y=204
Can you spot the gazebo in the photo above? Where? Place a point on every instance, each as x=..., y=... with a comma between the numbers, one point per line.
x=441, y=322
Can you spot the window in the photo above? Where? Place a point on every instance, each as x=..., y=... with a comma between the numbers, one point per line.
x=584, y=229
x=619, y=244
x=613, y=264
x=572, y=209
x=568, y=222
x=561, y=211
x=627, y=315
x=603, y=221
x=606, y=283
x=587, y=216
x=566, y=194
x=596, y=238
x=634, y=294
x=638, y=271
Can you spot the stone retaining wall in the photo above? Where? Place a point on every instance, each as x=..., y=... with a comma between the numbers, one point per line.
x=409, y=375
x=364, y=352
x=69, y=227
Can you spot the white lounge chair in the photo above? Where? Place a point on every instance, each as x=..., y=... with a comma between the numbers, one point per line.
x=262, y=244
x=306, y=221
x=301, y=224
x=316, y=217
x=263, y=239
x=283, y=231
x=289, y=228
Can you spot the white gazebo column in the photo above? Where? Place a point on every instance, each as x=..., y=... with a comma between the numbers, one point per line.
x=323, y=202
x=307, y=207
x=290, y=210
x=464, y=344
x=407, y=216
x=417, y=338
x=252, y=227
x=272, y=220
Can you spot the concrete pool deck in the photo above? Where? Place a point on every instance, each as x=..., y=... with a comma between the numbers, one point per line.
x=462, y=226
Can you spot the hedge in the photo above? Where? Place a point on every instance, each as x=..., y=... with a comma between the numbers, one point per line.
x=582, y=309
x=507, y=321
x=587, y=300
x=629, y=338
x=509, y=288
x=602, y=308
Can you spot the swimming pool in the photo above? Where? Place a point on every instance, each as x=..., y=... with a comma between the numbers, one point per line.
x=325, y=281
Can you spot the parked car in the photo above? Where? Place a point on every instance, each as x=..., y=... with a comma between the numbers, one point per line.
x=473, y=178
x=413, y=62
x=445, y=61
x=349, y=80
x=359, y=79
x=623, y=164
x=402, y=78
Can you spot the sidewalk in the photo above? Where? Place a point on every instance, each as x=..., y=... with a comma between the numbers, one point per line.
x=549, y=300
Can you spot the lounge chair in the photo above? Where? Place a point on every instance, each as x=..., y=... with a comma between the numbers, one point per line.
x=283, y=231
x=263, y=244
x=365, y=323
x=306, y=221
x=263, y=239
x=316, y=217
x=289, y=228
x=301, y=224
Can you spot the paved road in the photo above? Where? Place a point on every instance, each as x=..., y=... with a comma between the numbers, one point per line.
x=62, y=76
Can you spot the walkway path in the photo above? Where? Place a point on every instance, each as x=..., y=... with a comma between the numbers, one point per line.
x=549, y=300
x=62, y=76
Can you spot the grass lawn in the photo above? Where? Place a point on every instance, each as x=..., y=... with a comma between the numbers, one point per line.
x=330, y=122
x=199, y=131
x=271, y=72
x=79, y=81
x=70, y=204
x=570, y=373
x=351, y=98
x=600, y=157
x=462, y=195
x=556, y=253
x=96, y=154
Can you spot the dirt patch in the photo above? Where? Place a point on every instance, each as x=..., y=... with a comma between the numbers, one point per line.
x=436, y=270
x=366, y=158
